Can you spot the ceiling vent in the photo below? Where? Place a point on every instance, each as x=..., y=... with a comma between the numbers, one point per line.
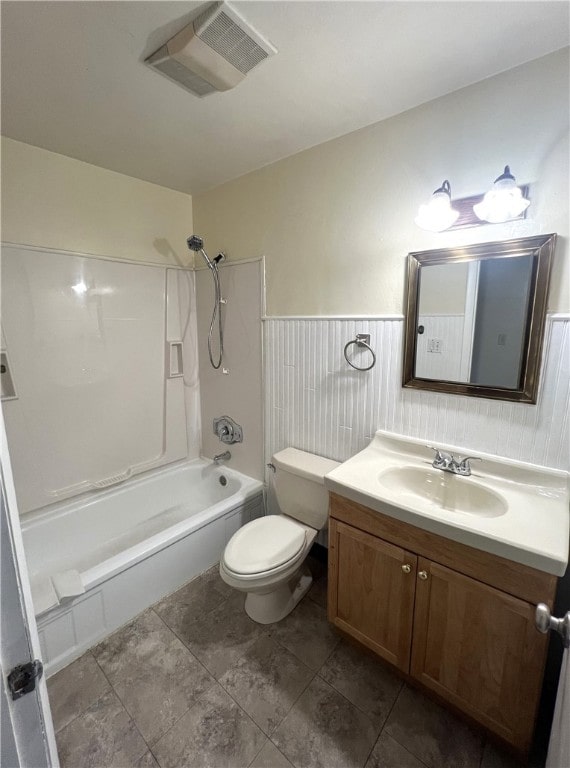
x=213, y=53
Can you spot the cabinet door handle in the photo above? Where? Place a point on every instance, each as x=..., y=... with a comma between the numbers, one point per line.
x=407, y=568
x=423, y=575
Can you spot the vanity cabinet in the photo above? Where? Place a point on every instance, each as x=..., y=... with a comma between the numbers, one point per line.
x=478, y=647
x=455, y=620
x=375, y=593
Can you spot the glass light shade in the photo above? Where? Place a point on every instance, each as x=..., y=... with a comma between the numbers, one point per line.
x=438, y=214
x=504, y=201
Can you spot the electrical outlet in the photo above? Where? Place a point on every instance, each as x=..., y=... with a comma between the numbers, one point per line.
x=434, y=346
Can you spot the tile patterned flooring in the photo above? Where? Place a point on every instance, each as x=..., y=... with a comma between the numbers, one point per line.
x=194, y=683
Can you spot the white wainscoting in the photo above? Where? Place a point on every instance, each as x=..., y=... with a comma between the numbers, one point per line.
x=316, y=402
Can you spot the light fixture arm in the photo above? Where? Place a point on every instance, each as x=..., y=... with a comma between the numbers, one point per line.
x=506, y=174
x=445, y=188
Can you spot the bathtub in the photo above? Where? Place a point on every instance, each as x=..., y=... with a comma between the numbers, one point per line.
x=96, y=562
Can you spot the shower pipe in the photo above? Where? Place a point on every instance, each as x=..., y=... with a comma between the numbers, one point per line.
x=196, y=244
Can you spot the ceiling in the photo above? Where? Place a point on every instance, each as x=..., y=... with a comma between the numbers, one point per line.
x=73, y=80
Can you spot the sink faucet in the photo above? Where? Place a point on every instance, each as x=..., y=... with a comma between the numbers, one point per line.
x=448, y=463
x=225, y=456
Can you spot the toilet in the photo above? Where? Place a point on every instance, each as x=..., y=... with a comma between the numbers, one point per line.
x=266, y=558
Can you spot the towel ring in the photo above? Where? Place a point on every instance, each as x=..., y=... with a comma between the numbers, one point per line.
x=361, y=340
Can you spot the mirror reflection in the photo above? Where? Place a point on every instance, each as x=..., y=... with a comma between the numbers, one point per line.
x=472, y=321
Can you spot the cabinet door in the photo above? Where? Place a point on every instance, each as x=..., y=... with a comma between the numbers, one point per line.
x=478, y=648
x=371, y=591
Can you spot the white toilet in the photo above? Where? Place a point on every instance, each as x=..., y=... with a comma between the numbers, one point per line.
x=265, y=558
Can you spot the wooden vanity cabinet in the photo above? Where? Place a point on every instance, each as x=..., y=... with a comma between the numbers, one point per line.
x=458, y=621
x=374, y=599
x=478, y=648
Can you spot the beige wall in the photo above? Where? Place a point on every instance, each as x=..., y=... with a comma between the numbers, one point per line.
x=335, y=222
x=57, y=202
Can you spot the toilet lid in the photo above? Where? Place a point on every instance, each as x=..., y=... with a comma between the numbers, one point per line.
x=264, y=544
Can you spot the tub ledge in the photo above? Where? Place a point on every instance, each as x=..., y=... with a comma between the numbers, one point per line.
x=49, y=591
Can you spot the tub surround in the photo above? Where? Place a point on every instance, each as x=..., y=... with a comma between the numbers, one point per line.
x=98, y=396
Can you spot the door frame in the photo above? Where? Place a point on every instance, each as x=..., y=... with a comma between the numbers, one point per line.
x=25, y=601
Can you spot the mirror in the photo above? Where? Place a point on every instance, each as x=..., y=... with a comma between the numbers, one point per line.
x=475, y=318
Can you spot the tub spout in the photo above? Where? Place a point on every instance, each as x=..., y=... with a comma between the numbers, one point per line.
x=225, y=456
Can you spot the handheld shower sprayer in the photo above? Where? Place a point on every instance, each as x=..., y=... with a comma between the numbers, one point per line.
x=196, y=244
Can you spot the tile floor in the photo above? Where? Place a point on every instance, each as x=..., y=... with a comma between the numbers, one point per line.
x=194, y=682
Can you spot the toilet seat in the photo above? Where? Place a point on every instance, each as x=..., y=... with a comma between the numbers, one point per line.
x=265, y=545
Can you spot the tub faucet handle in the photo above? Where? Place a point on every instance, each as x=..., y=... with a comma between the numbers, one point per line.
x=227, y=430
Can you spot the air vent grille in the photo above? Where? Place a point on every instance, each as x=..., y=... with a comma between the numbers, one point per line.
x=213, y=53
x=230, y=41
x=185, y=77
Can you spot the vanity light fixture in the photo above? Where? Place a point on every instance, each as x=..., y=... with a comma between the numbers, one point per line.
x=438, y=214
x=504, y=201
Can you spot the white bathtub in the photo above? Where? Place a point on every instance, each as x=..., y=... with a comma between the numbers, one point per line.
x=96, y=562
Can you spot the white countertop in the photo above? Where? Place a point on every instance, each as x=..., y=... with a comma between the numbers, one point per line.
x=534, y=529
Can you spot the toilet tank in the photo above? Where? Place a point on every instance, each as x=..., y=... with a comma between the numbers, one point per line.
x=300, y=486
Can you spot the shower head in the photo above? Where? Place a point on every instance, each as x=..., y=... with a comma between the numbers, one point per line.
x=195, y=243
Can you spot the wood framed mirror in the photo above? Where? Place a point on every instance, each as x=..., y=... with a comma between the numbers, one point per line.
x=475, y=318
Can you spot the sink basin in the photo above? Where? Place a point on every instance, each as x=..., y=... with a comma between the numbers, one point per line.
x=442, y=489
x=507, y=508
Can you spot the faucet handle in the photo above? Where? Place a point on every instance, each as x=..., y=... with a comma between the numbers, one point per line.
x=464, y=467
x=441, y=458
x=465, y=462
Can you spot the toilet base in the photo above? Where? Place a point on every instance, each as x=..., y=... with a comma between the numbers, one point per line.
x=273, y=606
